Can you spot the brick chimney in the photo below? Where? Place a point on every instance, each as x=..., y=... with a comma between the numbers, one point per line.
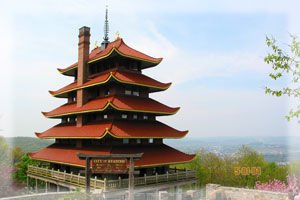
x=83, y=54
x=82, y=70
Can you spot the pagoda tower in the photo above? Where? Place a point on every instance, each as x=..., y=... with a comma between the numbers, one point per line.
x=109, y=111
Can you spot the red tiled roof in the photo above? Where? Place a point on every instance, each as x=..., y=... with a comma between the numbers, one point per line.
x=121, y=48
x=122, y=103
x=154, y=155
x=116, y=128
x=139, y=79
x=120, y=76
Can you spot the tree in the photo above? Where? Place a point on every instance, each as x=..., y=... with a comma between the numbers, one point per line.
x=213, y=169
x=284, y=63
x=21, y=174
x=7, y=186
x=249, y=158
x=5, y=153
x=17, y=154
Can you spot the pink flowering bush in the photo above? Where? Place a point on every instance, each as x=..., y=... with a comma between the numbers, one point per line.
x=297, y=197
x=9, y=187
x=292, y=189
x=277, y=186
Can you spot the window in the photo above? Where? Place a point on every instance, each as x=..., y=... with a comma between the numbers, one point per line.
x=135, y=116
x=138, y=141
x=72, y=119
x=145, y=117
x=124, y=116
x=91, y=69
x=127, y=91
x=151, y=140
x=63, y=120
x=98, y=69
x=97, y=92
x=134, y=67
x=135, y=93
x=105, y=116
x=106, y=92
x=93, y=117
x=125, y=141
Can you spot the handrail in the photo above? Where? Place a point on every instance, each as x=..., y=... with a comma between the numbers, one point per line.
x=79, y=181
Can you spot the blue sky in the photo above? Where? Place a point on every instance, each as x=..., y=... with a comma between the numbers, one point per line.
x=213, y=53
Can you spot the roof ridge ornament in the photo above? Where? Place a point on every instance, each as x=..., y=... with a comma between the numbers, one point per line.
x=96, y=46
x=106, y=30
x=118, y=36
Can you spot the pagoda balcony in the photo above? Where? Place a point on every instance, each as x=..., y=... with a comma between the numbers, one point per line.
x=73, y=181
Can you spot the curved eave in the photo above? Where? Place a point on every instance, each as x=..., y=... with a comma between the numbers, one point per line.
x=30, y=154
x=136, y=166
x=51, y=92
x=141, y=84
x=109, y=103
x=184, y=133
x=68, y=71
x=169, y=163
x=192, y=157
x=110, y=77
x=114, y=49
x=81, y=87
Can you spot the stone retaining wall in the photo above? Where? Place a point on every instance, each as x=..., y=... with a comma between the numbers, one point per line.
x=217, y=192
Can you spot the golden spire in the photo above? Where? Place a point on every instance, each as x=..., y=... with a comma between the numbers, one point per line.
x=96, y=46
x=118, y=35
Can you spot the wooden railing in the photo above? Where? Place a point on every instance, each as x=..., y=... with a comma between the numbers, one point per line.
x=105, y=184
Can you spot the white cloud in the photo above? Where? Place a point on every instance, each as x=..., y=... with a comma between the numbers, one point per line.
x=226, y=112
x=81, y=7
x=6, y=76
x=206, y=112
x=182, y=66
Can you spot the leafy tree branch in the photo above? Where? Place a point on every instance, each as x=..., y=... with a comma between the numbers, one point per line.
x=282, y=64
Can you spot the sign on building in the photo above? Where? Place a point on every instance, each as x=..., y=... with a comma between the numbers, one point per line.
x=109, y=166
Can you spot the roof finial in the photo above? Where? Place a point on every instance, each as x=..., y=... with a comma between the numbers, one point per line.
x=96, y=46
x=118, y=35
x=106, y=30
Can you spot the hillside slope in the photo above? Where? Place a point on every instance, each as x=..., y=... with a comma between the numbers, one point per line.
x=28, y=144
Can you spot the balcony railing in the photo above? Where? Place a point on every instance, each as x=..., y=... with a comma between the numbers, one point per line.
x=79, y=181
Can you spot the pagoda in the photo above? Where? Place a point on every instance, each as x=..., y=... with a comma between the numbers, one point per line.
x=109, y=111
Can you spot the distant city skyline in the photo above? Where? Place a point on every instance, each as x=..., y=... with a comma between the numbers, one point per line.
x=213, y=54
